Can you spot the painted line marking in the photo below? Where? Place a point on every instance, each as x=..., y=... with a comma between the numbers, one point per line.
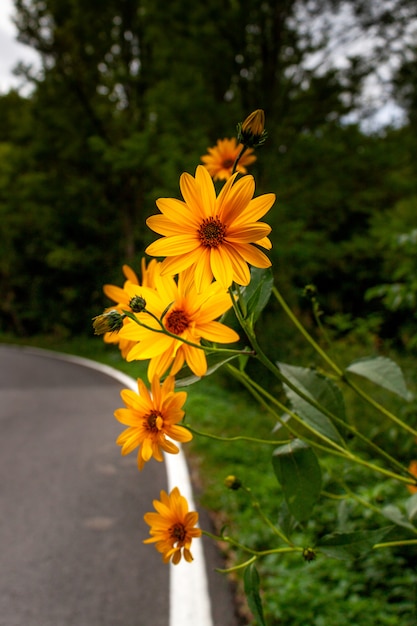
x=189, y=598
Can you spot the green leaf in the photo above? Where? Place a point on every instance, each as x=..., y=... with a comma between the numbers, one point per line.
x=394, y=514
x=351, y=545
x=251, y=585
x=320, y=389
x=255, y=296
x=383, y=372
x=411, y=508
x=298, y=472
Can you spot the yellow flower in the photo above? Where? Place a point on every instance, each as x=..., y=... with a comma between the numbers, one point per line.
x=213, y=235
x=185, y=314
x=122, y=298
x=151, y=418
x=173, y=527
x=220, y=159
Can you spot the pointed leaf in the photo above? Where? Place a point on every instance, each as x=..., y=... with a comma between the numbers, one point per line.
x=394, y=514
x=298, y=472
x=383, y=372
x=321, y=390
x=351, y=545
x=256, y=295
x=251, y=584
x=411, y=508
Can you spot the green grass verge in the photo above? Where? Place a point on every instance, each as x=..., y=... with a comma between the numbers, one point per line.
x=377, y=590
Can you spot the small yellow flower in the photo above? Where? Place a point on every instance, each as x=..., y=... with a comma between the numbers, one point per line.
x=184, y=313
x=220, y=159
x=215, y=236
x=173, y=527
x=151, y=418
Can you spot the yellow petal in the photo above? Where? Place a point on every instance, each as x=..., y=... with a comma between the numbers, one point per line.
x=172, y=246
x=221, y=267
x=218, y=333
x=247, y=233
x=256, y=209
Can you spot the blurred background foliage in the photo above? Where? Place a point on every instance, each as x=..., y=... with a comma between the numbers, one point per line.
x=132, y=92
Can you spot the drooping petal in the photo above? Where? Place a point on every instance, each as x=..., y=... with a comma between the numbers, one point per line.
x=241, y=274
x=196, y=360
x=221, y=267
x=252, y=255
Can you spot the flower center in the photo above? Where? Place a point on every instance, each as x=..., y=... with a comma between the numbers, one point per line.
x=178, y=532
x=154, y=422
x=177, y=321
x=228, y=163
x=212, y=232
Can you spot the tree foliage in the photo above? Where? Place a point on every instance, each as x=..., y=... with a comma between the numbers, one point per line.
x=132, y=93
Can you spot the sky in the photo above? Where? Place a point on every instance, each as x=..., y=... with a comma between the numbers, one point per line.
x=11, y=52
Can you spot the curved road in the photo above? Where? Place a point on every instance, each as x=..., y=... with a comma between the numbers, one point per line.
x=71, y=507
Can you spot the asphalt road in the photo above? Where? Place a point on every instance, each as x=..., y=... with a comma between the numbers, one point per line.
x=71, y=507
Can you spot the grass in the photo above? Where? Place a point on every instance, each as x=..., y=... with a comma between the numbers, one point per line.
x=378, y=589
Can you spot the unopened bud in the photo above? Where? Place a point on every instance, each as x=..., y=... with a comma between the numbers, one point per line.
x=137, y=304
x=309, y=554
x=232, y=482
x=252, y=131
x=109, y=321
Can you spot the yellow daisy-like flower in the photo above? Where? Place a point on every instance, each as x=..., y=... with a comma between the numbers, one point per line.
x=173, y=527
x=151, y=418
x=184, y=313
x=122, y=298
x=220, y=159
x=213, y=235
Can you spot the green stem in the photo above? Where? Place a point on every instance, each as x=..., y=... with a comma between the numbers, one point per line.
x=305, y=334
x=393, y=544
x=266, y=519
x=239, y=156
x=258, y=392
x=337, y=369
x=268, y=442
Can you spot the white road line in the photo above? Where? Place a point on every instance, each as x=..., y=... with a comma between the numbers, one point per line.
x=189, y=597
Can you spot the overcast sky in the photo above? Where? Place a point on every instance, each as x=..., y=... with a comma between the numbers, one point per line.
x=11, y=52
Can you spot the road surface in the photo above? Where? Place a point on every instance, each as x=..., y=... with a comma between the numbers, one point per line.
x=71, y=507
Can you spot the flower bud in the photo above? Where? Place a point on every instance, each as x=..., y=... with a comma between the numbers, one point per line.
x=137, y=304
x=251, y=133
x=309, y=554
x=232, y=482
x=109, y=321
